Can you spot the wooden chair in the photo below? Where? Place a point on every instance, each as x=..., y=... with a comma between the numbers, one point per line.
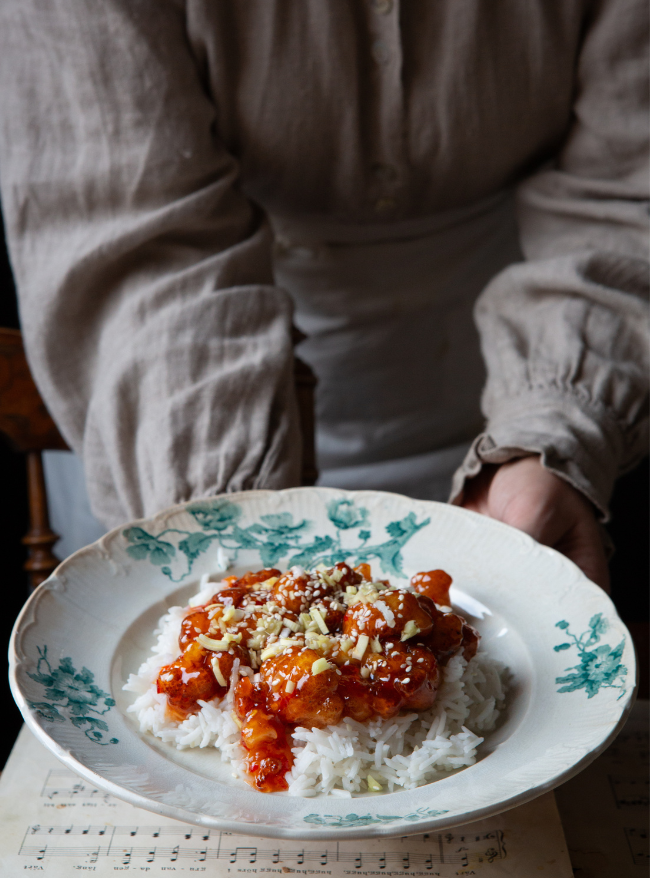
x=28, y=427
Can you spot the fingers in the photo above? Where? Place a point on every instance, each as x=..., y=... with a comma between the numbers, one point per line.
x=583, y=545
x=525, y=495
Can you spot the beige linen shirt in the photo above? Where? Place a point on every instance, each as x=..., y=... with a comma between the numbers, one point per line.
x=148, y=148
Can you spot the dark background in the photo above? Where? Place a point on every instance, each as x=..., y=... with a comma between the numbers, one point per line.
x=629, y=529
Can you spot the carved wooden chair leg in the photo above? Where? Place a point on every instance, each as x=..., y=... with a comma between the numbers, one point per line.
x=40, y=538
x=27, y=424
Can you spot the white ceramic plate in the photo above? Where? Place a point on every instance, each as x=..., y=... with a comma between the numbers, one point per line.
x=90, y=625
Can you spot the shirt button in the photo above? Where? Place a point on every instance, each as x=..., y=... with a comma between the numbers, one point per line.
x=382, y=7
x=380, y=52
x=385, y=205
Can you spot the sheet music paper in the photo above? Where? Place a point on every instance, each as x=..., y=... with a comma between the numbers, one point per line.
x=53, y=822
x=604, y=809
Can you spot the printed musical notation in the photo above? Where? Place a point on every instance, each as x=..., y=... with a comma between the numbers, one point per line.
x=629, y=791
x=55, y=823
x=637, y=839
x=631, y=744
x=184, y=842
x=63, y=784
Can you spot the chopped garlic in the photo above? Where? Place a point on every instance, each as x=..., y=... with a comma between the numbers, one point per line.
x=375, y=644
x=360, y=648
x=322, y=642
x=410, y=630
x=272, y=650
x=318, y=619
x=232, y=638
x=321, y=665
x=216, y=670
x=373, y=785
x=365, y=672
x=289, y=687
x=209, y=643
x=270, y=625
x=270, y=582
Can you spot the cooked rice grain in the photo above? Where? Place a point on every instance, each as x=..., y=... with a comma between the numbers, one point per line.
x=399, y=753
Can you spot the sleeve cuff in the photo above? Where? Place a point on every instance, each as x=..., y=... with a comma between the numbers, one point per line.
x=580, y=442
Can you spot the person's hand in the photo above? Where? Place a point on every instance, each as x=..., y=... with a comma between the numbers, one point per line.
x=525, y=495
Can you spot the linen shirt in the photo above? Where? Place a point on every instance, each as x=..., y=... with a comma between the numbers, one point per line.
x=151, y=152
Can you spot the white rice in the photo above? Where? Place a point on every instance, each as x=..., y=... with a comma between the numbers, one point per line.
x=403, y=752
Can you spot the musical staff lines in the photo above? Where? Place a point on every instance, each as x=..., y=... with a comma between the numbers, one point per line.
x=629, y=745
x=629, y=791
x=64, y=784
x=171, y=843
x=637, y=839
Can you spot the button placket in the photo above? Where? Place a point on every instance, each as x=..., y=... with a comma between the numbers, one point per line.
x=380, y=52
x=382, y=7
x=388, y=155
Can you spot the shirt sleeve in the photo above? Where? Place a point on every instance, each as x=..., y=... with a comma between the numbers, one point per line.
x=151, y=322
x=565, y=334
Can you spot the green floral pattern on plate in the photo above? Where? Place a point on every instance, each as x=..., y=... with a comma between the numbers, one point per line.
x=354, y=820
x=274, y=537
x=75, y=694
x=600, y=667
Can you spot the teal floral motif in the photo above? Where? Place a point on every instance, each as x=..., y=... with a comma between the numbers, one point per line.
x=600, y=667
x=344, y=514
x=76, y=695
x=145, y=546
x=277, y=538
x=216, y=516
x=356, y=820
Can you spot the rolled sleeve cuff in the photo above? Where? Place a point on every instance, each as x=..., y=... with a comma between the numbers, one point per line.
x=579, y=441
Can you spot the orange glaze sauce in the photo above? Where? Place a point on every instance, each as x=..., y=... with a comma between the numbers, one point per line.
x=313, y=647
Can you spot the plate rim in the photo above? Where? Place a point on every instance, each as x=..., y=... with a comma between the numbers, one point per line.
x=307, y=833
